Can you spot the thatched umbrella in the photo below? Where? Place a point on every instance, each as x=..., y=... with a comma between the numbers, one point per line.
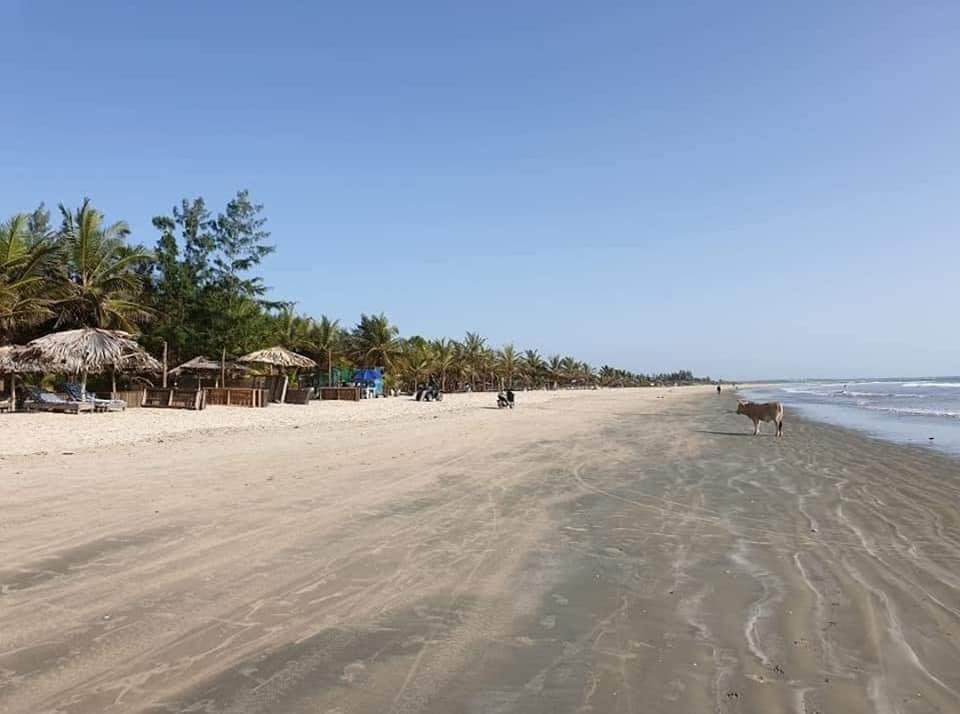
x=197, y=365
x=141, y=363
x=201, y=366
x=14, y=360
x=86, y=351
x=279, y=357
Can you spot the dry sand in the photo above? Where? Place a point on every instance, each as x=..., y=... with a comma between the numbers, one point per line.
x=39, y=433
x=609, y=551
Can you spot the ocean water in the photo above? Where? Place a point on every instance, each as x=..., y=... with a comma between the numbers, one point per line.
x=915, y=411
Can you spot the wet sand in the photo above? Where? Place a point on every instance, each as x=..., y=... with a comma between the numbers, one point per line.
x=612, y=552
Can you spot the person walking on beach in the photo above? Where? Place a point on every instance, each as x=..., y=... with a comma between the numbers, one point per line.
x=718, y=389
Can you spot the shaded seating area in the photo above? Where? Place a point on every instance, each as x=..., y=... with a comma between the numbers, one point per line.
x=279, y=360
x=75, y=393
x=76, y=354
x=39, y=400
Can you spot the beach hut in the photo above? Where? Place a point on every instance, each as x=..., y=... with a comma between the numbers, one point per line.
x=89, y=350
x=280, y=358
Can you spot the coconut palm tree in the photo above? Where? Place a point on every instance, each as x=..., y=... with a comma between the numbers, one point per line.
x=569, y=370
x=24, y=291
x=417, y=361
x=292, y=330
x=326, y=337
x=375, y=342
x=98, y=277
x=533, y=367
x=473, y=348
x=555, y=369
x=444, y=355
x=508, y=363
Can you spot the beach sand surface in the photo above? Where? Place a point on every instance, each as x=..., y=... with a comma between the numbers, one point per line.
x=609, y=551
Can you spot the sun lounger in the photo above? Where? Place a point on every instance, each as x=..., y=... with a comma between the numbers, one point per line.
x=101, y=405
x=39, y=400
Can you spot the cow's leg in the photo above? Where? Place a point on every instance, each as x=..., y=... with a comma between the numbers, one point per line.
x=780, y=428
x=756, y=427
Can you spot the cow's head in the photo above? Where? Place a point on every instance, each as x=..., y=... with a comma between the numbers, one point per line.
x=740, y=407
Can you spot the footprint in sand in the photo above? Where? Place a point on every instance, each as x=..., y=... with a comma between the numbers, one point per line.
x=549, y=622
x=354, y=673
x=560, y=599
x=674, y=690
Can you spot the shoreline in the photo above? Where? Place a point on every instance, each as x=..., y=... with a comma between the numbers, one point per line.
x=940, y=432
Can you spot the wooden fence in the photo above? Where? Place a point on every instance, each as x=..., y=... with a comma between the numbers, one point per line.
x=350, y=394
x=133, y=397
x=237, y=396
x=174, y=398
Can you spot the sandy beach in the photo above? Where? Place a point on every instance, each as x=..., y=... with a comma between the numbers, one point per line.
x=609, y=551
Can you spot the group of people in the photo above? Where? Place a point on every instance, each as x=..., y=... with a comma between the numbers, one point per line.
x=505, y=399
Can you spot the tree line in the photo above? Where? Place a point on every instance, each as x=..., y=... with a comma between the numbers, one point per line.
x=199, y=292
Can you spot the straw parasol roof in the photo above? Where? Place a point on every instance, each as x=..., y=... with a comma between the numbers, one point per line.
x=139, y=362
x=278, y=357
x=202, y=364
x=14, y=361
x=88, y=350
x=7, y=360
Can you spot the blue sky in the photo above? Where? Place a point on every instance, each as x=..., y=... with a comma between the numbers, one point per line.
x=746, y=189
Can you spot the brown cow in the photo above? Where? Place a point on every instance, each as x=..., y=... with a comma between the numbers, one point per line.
x=765, y=411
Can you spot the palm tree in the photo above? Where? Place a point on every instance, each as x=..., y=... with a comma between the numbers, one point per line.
x=99, y=281
x=569, y=369
x=473, y=356
x=326, y=337
x=445, y=355
x=417, y=360
x=508, y=363
x=533, y=367
x=293, y=329
x=24, y=292
x=375, y=341
x=555, y=368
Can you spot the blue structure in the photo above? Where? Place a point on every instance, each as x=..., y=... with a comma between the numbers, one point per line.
x=371, y=378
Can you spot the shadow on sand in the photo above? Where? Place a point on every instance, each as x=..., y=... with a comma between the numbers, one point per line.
x=727, y=433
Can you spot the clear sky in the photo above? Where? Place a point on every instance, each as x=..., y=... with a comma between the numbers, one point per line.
x=745, y=189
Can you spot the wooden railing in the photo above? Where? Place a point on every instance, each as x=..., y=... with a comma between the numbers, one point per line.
x=299, y=396
x=237, y=396
x=174, y=398
x=133, y=397
x=351, y=394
